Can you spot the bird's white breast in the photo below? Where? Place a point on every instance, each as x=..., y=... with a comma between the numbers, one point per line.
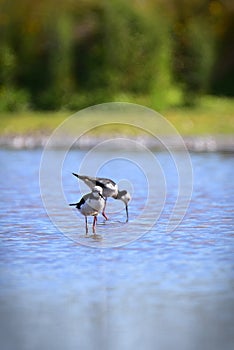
x=92, y=206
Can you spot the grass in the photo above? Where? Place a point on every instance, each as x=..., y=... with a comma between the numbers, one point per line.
x=210, y=116
x=30, y=122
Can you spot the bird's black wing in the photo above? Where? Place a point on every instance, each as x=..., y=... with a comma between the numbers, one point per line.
x=104, y=181
x=82, y=201
x=95, y=181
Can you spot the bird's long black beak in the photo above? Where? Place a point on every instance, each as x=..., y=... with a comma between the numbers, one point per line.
x=75, y=174
x=102, y=196
x=126, y=212
x=73, y=204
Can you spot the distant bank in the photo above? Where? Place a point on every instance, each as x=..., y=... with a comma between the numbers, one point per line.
x=203, y=143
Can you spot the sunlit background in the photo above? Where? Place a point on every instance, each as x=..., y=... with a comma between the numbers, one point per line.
x=73, y=54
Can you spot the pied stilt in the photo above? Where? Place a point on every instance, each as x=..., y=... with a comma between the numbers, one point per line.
x=91, y=204
x=110, y=189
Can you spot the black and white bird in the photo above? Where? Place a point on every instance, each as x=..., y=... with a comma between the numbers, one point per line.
x=91, y=204
x=110, y=189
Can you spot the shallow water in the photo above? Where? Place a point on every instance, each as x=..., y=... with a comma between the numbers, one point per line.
x=158, y=290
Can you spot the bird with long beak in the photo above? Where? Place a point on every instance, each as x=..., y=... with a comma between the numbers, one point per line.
x=91, y=204
x=110, y=189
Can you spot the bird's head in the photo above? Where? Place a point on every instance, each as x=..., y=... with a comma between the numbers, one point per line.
x=97, y=191
x=124, y=196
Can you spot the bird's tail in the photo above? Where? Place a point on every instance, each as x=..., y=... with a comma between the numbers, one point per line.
x=79, y=176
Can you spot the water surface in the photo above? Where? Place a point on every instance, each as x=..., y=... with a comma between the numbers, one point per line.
x=164, y=290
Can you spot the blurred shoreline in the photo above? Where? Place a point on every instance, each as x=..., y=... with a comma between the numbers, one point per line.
x=203, y=143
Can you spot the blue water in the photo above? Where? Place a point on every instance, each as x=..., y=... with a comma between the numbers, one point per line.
x=162, y=290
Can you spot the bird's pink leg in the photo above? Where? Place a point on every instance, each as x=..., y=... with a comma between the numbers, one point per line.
x=94, y=224
x=103, y=212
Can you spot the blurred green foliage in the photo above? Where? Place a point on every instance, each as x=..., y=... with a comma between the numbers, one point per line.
x=71, y=54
